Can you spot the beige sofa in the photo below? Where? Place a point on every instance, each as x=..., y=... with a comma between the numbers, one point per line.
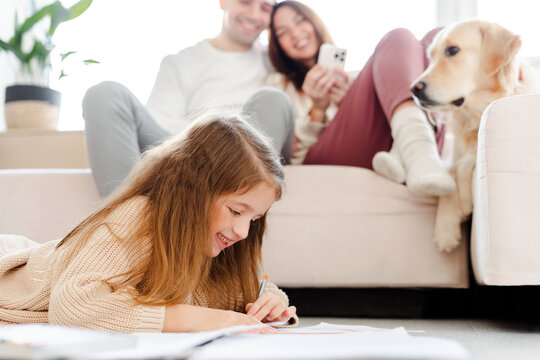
x=349, y=227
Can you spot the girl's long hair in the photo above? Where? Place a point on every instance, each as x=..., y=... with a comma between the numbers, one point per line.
x=182, y=178
x=293, y=70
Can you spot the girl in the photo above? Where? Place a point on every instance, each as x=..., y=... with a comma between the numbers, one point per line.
x=176, y=249
x=342, y=124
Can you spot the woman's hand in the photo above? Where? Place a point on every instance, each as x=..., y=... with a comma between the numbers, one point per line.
x=269, y=308
x=317, y=85
x=188, y=318
x=340, y=87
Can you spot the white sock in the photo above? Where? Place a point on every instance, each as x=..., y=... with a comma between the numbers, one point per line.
x=414, y=140
x=388, y=164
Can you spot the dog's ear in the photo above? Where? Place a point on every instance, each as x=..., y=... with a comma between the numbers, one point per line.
x=500, y=46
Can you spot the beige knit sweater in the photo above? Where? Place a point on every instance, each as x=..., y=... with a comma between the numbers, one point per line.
x=67, y=286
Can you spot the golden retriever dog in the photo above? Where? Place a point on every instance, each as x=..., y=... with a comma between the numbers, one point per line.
x=472, y=64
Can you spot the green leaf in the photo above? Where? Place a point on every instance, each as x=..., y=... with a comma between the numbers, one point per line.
x=62, y=74
x=5, y=46
x=58, y=14
x=34, y=19
x=65, y=55
x=79, y=8
x=42, y=47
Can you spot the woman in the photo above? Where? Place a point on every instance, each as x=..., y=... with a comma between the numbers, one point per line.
x=342, y=124
x=176, y=249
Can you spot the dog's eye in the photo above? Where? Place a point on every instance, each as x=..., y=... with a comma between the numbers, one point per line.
x=451, y=50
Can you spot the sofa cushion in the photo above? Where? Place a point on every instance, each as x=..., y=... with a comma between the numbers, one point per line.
x=340, y=226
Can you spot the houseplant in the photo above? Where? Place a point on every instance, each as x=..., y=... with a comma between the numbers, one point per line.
x=30, y=102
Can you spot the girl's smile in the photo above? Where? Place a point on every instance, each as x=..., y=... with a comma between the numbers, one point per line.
x=223, y=241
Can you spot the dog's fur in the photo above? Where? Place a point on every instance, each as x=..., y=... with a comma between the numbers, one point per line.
x=472, y=63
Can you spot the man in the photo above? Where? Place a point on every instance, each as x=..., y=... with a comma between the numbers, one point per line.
x=223, y=72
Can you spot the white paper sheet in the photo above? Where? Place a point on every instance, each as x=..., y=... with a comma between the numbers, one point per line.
x=332, y=341
x=166, y=345
x=43, y=341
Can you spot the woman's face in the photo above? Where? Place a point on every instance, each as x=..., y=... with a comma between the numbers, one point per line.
x=296, y=35
x=232, y=214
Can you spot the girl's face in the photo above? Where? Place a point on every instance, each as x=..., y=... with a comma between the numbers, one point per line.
x=232, y=214
x=296, y=35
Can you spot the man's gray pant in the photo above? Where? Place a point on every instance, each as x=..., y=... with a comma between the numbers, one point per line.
x=119, y=128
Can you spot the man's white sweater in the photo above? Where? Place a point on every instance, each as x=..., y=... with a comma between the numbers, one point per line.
x=204, y=75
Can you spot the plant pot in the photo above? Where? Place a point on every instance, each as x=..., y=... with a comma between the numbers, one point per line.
x=31, y=107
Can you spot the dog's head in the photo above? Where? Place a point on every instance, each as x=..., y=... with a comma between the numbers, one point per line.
x=468, y=60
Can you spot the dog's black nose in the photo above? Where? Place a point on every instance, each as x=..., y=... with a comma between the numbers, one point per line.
x=458, y=102
x=419, y=90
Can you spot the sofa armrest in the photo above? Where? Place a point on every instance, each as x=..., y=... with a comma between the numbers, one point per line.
x=505, y=241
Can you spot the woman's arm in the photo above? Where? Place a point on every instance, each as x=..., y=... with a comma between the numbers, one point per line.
x=317, y=85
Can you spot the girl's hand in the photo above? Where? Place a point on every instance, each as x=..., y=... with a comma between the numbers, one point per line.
x=269, y=308
x=341, y=86
x=317, y=85
x=188, y=318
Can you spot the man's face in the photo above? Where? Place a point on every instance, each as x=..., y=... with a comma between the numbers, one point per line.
x=244, y=20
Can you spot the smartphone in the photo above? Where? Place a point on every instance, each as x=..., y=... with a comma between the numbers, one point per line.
x=331, y=56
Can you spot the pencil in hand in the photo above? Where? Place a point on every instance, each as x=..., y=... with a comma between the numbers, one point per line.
x=263, y=285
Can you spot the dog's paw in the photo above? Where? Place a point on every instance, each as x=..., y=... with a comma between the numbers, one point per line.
x=447, y=236
x=446, y=243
